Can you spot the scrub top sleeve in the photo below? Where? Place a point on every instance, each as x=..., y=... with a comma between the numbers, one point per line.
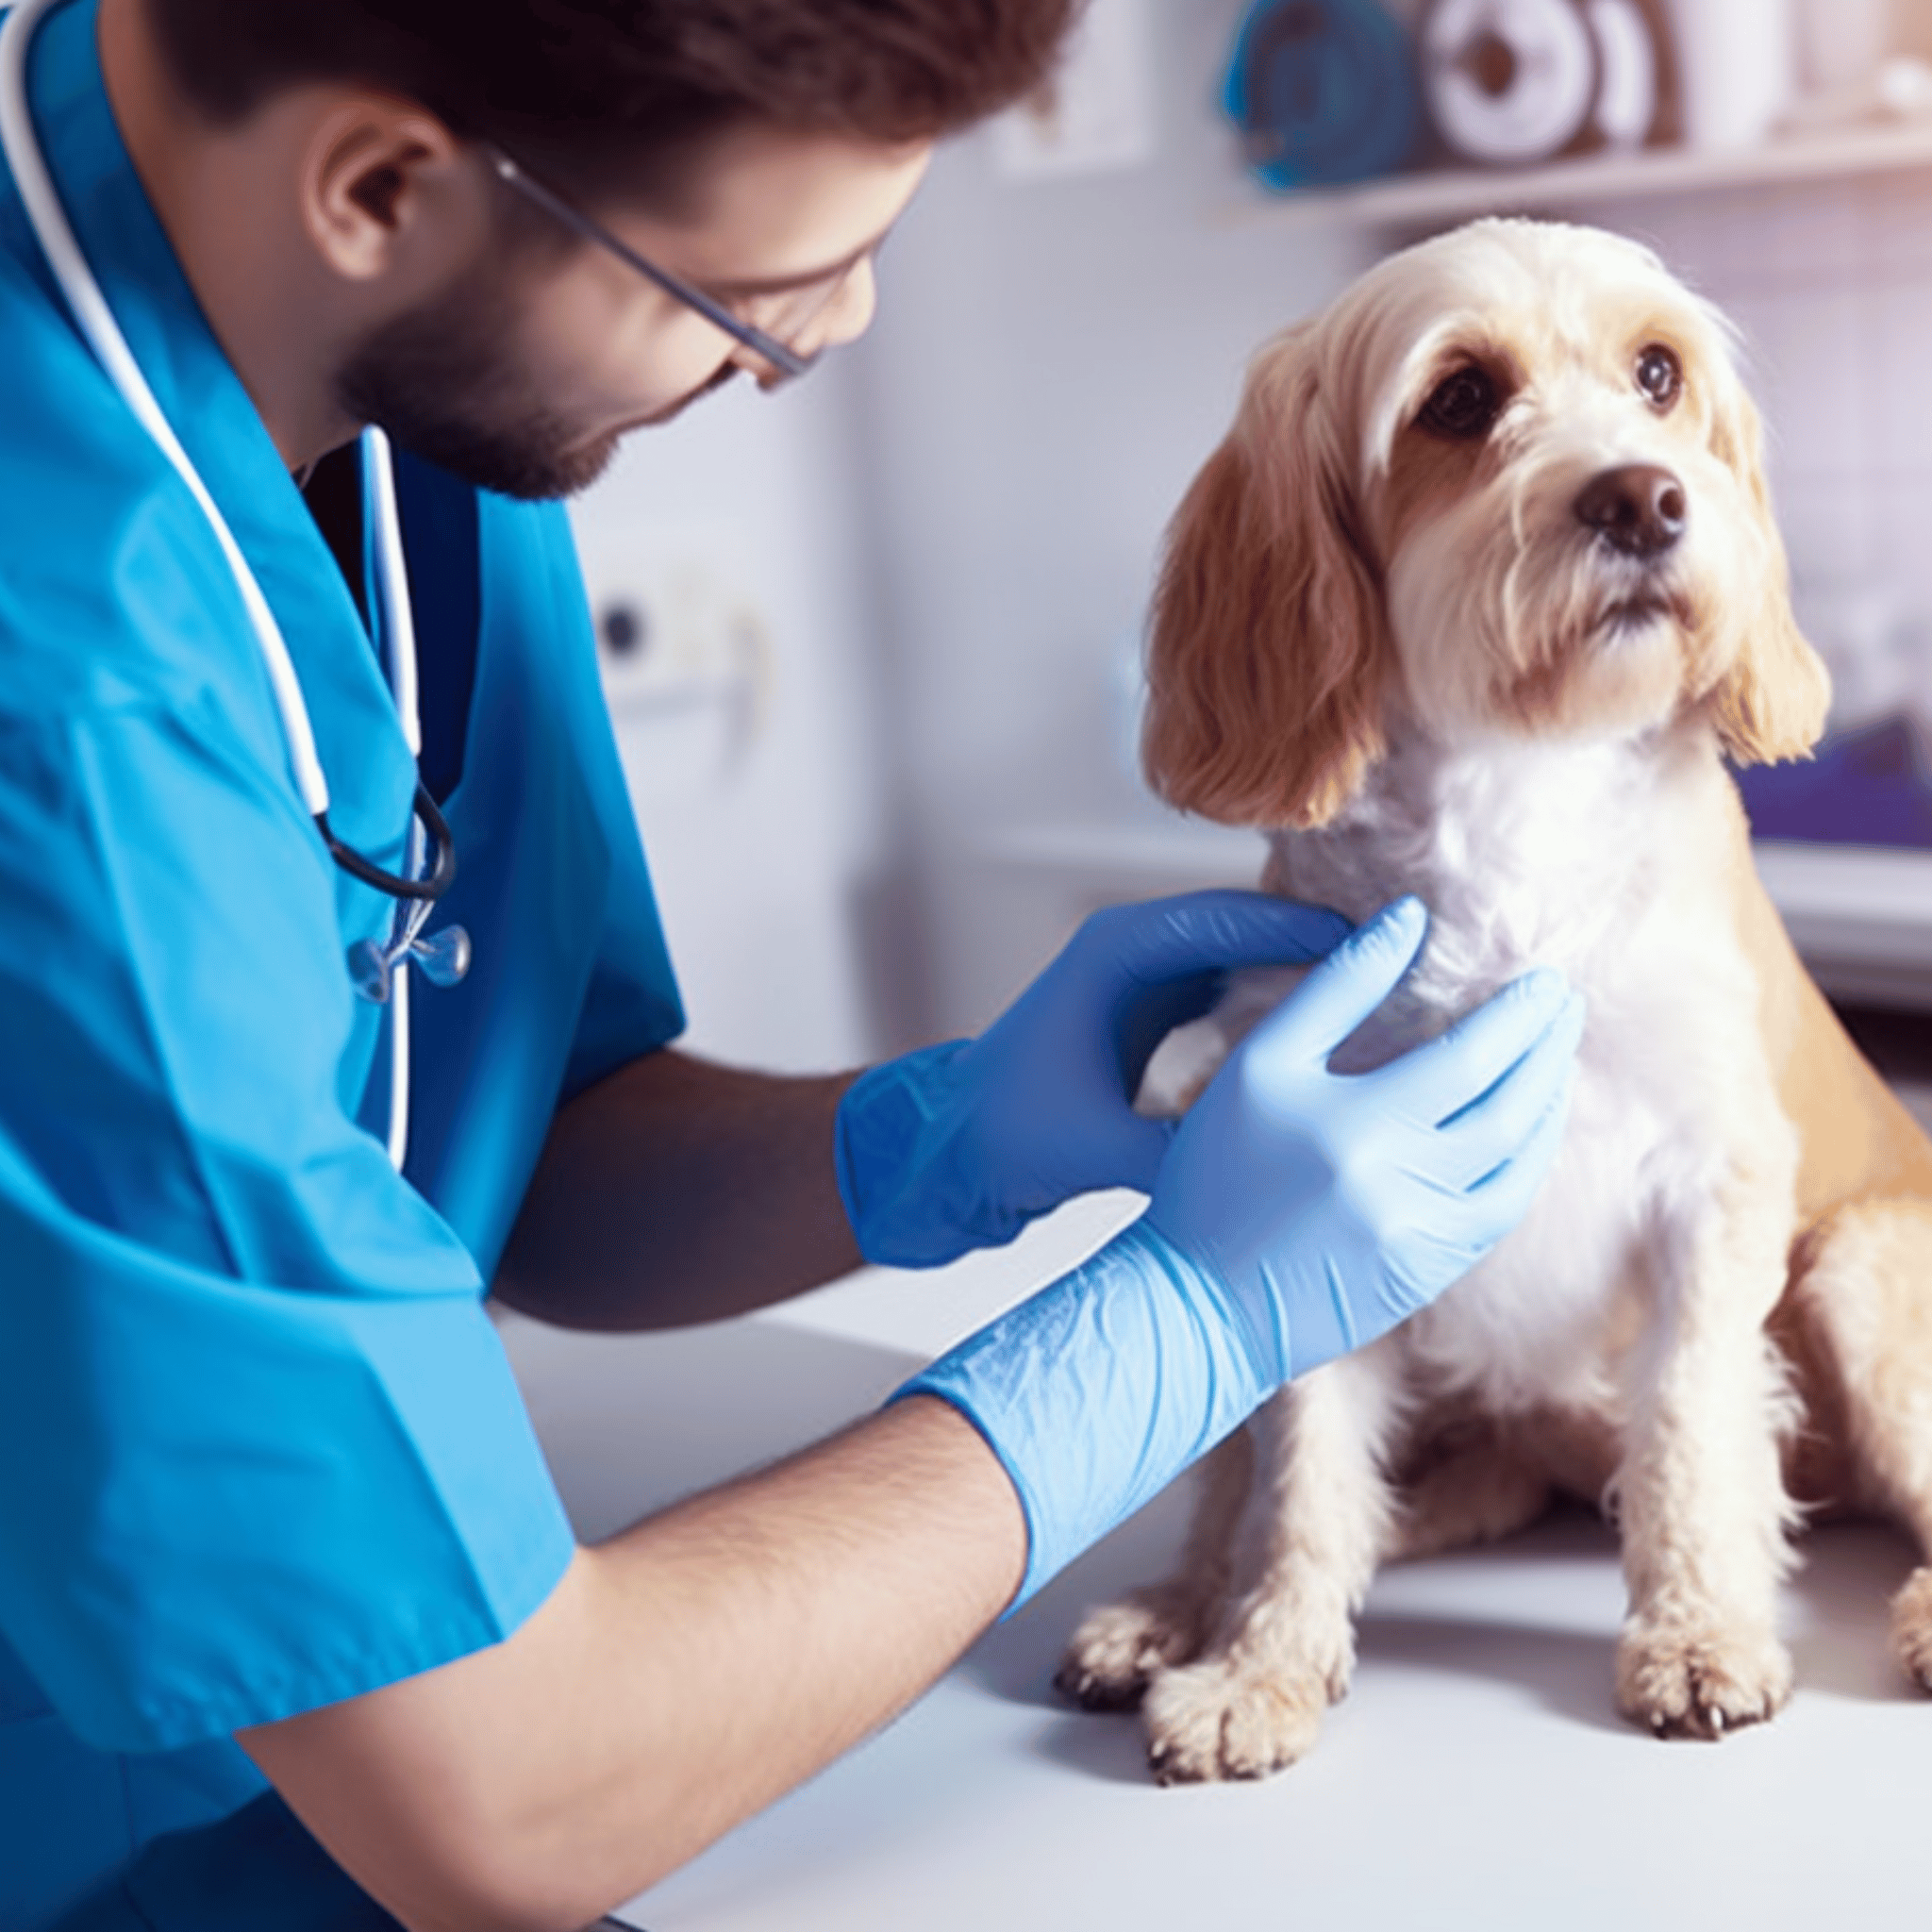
x=274, y=1455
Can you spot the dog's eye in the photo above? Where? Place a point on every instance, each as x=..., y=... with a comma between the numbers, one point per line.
x=1463, y=406
x=1660, y=376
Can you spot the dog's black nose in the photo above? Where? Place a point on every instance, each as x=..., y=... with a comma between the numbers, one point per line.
x=1639, y=509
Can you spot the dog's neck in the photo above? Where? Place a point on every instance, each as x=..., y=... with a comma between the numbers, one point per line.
x=1526, y=852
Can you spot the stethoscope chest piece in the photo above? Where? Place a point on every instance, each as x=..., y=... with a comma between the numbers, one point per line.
x=441, y=957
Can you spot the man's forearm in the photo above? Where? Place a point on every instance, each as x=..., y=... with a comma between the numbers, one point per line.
x=678, y=1191
x=682, y=1677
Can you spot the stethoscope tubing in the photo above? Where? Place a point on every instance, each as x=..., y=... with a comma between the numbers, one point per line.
x=95, y=317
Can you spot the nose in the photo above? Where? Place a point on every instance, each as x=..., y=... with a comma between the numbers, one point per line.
x=1639, y=509
x=847, y=314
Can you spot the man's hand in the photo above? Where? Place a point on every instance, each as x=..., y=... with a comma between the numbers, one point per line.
x=960, y=1146
x=1332, y=1207
x=1298, y=1214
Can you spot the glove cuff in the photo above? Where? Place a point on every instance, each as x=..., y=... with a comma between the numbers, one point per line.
x=911, y=1201
x=1101, y=1389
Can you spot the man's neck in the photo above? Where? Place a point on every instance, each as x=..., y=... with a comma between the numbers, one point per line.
x=228, y=234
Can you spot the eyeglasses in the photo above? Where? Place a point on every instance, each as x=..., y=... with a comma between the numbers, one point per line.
x=786, y=360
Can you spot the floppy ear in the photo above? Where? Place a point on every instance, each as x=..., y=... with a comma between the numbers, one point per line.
x=1770, y=705
x=1265, y=659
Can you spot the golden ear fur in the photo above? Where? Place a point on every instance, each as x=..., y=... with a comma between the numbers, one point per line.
x=1771, y=703
x=1266, y=654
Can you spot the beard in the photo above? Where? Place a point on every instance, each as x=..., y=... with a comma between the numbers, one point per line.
x=446, y=385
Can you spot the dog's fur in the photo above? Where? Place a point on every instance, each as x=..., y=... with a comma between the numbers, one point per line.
x=1412, y=658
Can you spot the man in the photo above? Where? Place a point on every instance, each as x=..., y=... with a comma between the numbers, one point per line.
x=293, y=1631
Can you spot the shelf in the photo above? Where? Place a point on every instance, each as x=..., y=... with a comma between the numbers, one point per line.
x=1861, y=916
x=1458, y=194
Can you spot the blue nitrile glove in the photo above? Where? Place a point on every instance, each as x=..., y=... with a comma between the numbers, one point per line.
x=1298, y=1214
x=960, y=1146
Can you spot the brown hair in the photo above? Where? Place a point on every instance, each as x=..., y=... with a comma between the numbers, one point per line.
x=616, y=92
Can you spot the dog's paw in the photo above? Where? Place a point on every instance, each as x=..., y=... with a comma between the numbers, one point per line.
x=1911, y=1628
x=1699, y=1681
x=1118, y=1649
x=1220, y=1720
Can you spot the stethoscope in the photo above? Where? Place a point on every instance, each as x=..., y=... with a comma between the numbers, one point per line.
x=377, y=968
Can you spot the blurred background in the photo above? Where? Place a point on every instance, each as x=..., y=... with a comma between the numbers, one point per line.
x=872, y=644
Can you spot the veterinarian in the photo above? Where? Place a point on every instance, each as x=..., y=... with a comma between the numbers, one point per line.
x=332, y=993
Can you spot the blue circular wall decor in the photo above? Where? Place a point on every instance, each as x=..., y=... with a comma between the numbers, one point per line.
x=1324, y=92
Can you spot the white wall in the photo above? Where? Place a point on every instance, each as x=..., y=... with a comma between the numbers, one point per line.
x=745, y=722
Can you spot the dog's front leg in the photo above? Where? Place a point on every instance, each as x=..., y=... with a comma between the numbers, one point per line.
x=1320, y=1519
x=1120, y=1647
x=1701, y=1496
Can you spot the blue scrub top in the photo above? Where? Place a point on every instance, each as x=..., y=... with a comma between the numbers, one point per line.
x=263, y=1448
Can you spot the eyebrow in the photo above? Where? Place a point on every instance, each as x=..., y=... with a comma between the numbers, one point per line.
x=806, y=279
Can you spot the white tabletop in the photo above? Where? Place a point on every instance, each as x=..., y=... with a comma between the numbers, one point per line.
x=1478, y=1776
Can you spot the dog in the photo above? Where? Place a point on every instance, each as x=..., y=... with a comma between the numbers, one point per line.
x=1475, y=601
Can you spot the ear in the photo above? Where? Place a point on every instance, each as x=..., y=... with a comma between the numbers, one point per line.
x=1770, y=705
x=367, y=165
x=1266, y=656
